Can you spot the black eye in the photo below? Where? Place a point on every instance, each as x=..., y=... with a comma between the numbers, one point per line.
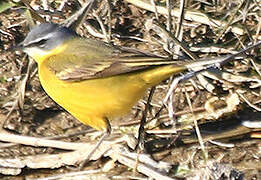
x=40, y=43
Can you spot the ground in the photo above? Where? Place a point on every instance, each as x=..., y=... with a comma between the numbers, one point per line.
x=224, y=100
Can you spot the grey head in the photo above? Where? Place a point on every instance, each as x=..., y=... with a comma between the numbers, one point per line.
x=47, y=36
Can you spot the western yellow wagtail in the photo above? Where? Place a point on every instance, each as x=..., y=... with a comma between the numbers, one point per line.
x=92, y=80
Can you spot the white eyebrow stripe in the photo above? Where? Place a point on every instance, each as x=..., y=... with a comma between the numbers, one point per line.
x=47, y=36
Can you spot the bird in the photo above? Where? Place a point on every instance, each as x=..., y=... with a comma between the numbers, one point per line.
x=94, y=81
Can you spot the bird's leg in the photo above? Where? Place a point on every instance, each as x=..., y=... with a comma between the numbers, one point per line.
x=141, y=137
x=106, y=134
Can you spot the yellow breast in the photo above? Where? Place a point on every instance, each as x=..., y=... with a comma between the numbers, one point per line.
x=90, y=101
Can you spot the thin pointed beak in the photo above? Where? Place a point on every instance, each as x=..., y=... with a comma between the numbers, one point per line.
x=18, y=47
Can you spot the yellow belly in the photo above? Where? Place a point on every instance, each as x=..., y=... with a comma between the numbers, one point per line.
x=91, y=101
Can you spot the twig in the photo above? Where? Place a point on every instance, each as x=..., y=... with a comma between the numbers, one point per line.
x=221, y=144
x=229, y=22
x=102, y=27
x=109, y=19
x=189, y=15
x=155, y=9
x=182, y=45
x=89, y=174
x=248, y=102
x=145, y=165
x=255, y=66
x=169, y=5
x=38, y=142
x=33, y=12
x=77, y=19
x=19, y=101
x=179, y=32
x=205, y=153
x=181, y=17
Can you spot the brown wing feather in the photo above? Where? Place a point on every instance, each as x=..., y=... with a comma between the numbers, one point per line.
x=90, y=59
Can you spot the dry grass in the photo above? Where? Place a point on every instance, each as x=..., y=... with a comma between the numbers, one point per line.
x=223, y=101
